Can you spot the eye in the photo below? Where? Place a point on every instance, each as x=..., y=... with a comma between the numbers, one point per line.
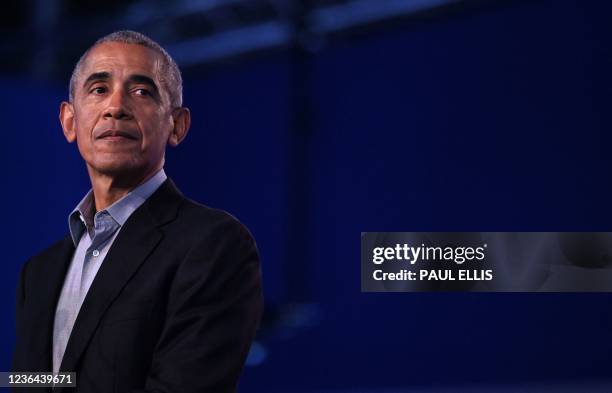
x=142, y=92
x=98, y=90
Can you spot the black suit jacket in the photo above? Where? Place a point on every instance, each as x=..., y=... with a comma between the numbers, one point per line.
x=173, y=308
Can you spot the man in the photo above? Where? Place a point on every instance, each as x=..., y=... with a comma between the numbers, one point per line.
x=150, y=291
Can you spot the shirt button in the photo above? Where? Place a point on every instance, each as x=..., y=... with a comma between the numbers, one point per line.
x=95, y=253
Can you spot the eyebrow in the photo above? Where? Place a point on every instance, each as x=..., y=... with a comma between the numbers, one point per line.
x=96, y=76
x=136, y=78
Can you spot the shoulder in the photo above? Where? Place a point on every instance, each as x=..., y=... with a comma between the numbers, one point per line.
x=46, y=265
x=60, y=247
x=213, y=243
x=178, y=213
x=208, y=224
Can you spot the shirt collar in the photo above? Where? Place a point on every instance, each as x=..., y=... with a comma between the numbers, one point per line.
x=83, y=215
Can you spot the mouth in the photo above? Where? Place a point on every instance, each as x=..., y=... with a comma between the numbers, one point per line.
x=117, y=135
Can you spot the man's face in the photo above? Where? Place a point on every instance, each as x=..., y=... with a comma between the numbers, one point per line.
x=120, y=116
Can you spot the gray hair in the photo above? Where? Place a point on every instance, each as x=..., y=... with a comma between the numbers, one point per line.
x=169, y=75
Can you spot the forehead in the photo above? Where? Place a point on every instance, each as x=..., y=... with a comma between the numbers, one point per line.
x=122, y=59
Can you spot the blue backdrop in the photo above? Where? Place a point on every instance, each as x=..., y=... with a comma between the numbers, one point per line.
x=486, y=118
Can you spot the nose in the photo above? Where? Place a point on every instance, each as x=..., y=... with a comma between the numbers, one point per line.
x=116, y=108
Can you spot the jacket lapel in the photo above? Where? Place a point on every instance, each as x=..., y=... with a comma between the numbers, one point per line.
x=134, y=243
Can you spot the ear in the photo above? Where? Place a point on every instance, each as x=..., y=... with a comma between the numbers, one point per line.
x=182, y=122
x=66, y=117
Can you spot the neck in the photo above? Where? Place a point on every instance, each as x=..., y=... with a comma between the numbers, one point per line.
x=108, y=189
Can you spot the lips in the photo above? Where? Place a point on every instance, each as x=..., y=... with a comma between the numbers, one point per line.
x=117, y=134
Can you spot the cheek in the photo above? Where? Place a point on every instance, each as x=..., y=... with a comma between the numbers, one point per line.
x=156, y=132
x=84, y=122
x=83, y=137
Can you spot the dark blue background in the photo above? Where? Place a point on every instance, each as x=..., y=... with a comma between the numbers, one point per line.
x=484, y=118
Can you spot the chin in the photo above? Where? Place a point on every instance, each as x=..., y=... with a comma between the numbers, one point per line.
x=120, y=169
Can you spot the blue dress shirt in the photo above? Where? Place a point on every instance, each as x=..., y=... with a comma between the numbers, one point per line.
x=93, y=234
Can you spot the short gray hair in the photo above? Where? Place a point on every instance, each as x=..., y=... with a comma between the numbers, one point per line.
x=170, y=75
